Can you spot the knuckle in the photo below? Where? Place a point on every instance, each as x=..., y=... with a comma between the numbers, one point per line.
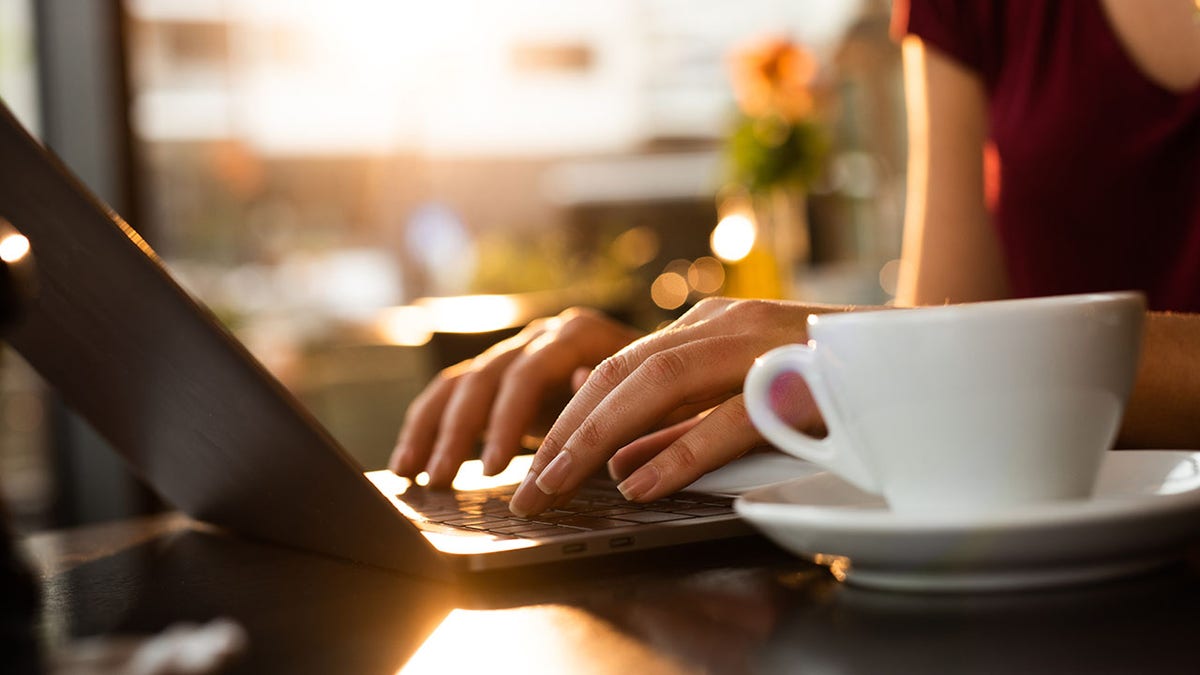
x=576, y=314
x=524, y=366
x=528, y=371
x=663, y=368
x=472, y=381
x=711, y=307
x=711, y=304
x=590, y=433
x=731, y=420
x=534, y=327
x=612, y=370
x=577, y=320
x=733, y=412
x=545, y=454
x=682, y=457
x=747, y=309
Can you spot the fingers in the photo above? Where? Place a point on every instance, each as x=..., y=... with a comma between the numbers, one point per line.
x=698, y=360
x=462, y=424
x=627, y=460
x=615, y=369
x=549, y=363
x=502, y=391
x=443, y=423
x=516, y=407
x=720, y=437
x=526, y=385
x=421, y=424
x=612, y=409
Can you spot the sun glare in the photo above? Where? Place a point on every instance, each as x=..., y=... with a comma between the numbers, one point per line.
x=472, y=313
x=537, y=639
x=13, y=248
x=733, y=237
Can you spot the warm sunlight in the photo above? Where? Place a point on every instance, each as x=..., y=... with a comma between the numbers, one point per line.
x=406, y=326
x=733, y=237
x=472, y=313
x=538, y=639
x=13, y=247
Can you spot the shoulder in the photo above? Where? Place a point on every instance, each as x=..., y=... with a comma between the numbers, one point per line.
x=972, y=32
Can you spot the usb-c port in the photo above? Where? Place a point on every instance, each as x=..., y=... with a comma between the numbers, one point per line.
x=620, y=542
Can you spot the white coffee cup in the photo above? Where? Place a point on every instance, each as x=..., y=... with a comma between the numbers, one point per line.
x=962, y=408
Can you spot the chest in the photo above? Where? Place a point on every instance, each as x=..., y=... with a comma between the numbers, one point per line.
x=1071, y=86
x=1161, y=39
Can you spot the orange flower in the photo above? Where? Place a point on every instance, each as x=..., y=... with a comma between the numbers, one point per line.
x=773, y=78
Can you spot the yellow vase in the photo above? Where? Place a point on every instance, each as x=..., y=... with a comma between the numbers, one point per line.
x=781, y=248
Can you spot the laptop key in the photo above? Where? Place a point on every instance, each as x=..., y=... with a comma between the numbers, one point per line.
x=471, y=521
x=592, y=523
x=609, y=513
x=546, y=533
x=701, y=511
x=651, y=517
x=517, y=528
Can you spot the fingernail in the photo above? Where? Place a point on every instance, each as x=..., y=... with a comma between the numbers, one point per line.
x=613, y=473
x=554, y=475
x=523, y=501
x=642, y=481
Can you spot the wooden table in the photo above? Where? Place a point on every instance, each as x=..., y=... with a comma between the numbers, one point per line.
x=739, y=608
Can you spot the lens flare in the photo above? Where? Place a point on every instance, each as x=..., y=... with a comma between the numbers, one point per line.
x=733, y=237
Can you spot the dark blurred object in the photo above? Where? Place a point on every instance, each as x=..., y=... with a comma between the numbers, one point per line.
x=18, y=589
x=19, y=605
x=16, y=274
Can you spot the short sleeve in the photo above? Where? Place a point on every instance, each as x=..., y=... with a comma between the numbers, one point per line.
x=965, y=30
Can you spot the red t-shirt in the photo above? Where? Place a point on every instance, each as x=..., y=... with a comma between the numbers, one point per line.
x=1098, y=184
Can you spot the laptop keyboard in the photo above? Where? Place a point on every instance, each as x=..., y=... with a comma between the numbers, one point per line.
x=594, y=508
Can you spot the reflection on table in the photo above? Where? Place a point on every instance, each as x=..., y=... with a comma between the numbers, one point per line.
x=737, y=608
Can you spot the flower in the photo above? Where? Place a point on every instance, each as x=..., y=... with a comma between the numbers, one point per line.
x=774, y=77
x=776, y=139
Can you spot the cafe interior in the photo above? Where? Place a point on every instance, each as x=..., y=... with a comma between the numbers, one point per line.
x=366, y=192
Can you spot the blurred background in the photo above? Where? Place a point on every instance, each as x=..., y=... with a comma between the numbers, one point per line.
x=366, y=191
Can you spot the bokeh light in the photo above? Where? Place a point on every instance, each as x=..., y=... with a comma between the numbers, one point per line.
x=13, y=247
x=472, y=313
x=636, y=247
x=733, y=237
x=407, y=326
x=706, y=275
x=669, y=290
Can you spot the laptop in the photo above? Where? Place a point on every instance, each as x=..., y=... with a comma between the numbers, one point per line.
x=204, y=424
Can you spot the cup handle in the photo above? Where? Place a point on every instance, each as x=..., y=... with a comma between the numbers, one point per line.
x=831, y=452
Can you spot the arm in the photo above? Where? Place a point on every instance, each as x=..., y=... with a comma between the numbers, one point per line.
x=950, y=251
x=1164, y=409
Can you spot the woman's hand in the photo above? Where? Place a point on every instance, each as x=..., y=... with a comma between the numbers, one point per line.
x=503, y=391
x=687, y=378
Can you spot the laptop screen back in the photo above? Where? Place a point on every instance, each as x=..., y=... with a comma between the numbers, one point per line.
x=153, y=372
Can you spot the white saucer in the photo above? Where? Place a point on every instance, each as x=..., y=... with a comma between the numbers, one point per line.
x=752, y=471
x=1146, y=508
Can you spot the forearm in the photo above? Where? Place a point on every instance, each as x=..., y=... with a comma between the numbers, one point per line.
x=950, y=251
x=1164, y=409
